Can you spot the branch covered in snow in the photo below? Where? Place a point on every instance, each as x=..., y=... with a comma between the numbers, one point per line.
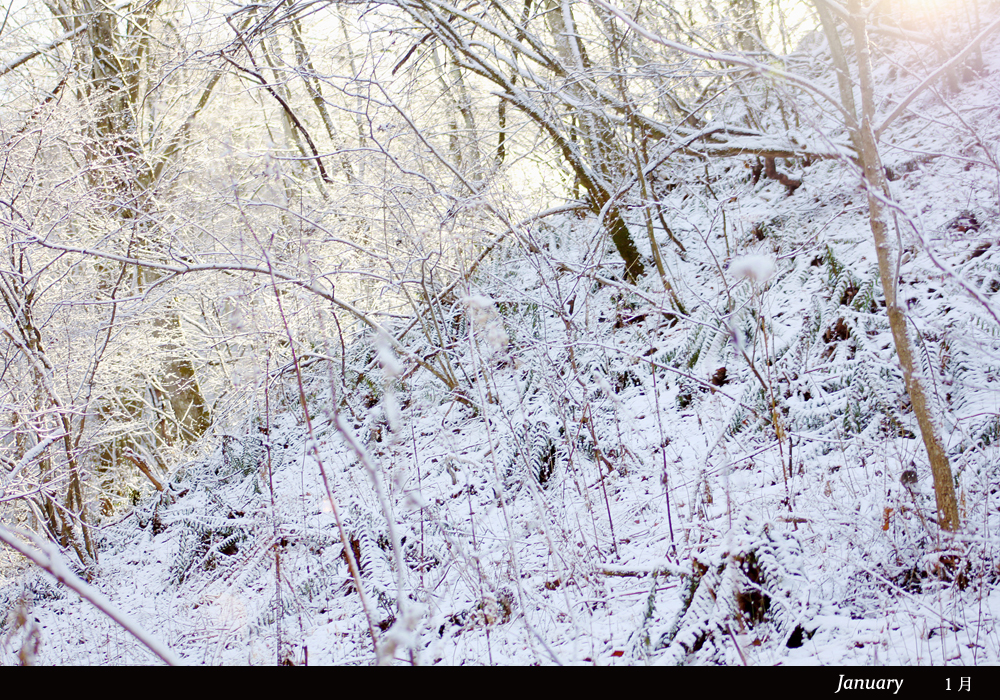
x=731, y=59
x=930, y=79
x=46, y=555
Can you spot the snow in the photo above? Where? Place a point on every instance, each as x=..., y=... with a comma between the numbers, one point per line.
x=623, y=482
x=756, y=268
x=481, y=309
x=387, y=359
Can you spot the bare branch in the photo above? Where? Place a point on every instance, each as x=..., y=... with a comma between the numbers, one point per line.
x=47, y=556
x=24, y=58
x=731, y=59
x=929, y=80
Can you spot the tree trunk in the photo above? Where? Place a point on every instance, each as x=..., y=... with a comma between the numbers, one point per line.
x=944, y=485
x=115, y=53
x=596, y=135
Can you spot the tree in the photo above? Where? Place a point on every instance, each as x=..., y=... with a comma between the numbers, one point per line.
x=342, y=209
x=863, y=131
x=445, y=101
x=92, y=164
x=863, y=135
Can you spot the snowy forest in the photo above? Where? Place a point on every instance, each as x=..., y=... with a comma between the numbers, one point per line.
x=500, y=332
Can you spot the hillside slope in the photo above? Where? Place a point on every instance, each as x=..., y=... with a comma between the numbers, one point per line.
x=726, y=473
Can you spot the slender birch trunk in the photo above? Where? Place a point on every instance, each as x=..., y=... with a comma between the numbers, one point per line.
x=878, y=192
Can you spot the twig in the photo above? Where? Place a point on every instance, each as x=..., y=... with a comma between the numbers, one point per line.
x=134, y=458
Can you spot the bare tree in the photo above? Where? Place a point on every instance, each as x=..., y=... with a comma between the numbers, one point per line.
x=103, y=129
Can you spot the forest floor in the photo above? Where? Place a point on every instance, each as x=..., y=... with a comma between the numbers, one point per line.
x=733, y=479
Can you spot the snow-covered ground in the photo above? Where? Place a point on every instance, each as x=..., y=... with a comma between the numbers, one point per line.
x=626, y=480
